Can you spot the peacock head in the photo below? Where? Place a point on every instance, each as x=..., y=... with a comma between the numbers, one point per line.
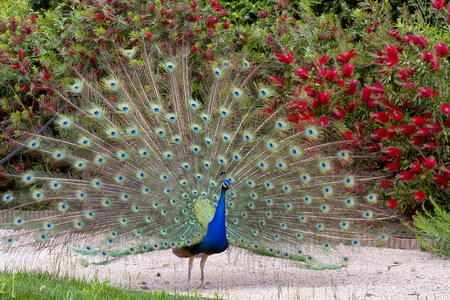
x=227, y=184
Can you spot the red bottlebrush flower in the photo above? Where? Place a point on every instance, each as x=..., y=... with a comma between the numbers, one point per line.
x=149, y=35
x=287, y=59
x=416, y=167
x=92, y=60
x=348, y=135
x=438, y=5
x=435, y=127
x=423, y=132
x=369, y=29
x=429, y=146
x=331, y=75
x=425, y=92
x=227, y=24
x=447, y=123
x=302, y=73
x=193, y=5
x=406, y=175
x=18, y=167
x=445, y=108
x=292, y=118
x=214, y=3
x=348, y=70
x=427, y=57
x=323, y=60
x=419, y=121
x=46, y=76
x=99, y=17
x=366, y=93
x=21, y=54
x=421, y=41
x=323, y=98
x=264, y=13
x=340, y=82
x=397, y=115
x=128, y=20
x=438, y=178
x=430, y=162
x=381, y=117
x=352, y=87
x=36, y=52
x=15, y=66
x=351, y=107
x=338, y=113
x=386, y=184
x=373, y=148
x=24, y=87
x=195, y=48
x=379, y=133
x=393, y=167
x=390, y=134
x=395, y=34
x=419, y=196
x=268, y=112
x=276, y=80
x=441, y=50
x=392, y=203
x=407, y=129
x=404, y=74
x=394, y=153
x=323, y=121
x=391, y=56
x=345, y=58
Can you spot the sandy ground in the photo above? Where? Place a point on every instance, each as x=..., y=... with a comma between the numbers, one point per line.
x=374, y=273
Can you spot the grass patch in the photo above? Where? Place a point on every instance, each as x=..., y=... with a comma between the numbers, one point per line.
x=43, y=285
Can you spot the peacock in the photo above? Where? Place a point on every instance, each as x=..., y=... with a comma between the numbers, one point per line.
x=169, y=150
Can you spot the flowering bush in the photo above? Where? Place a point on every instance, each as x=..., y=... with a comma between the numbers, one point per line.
x=381, y=81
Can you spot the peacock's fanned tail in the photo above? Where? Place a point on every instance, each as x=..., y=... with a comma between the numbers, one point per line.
x=141, y=146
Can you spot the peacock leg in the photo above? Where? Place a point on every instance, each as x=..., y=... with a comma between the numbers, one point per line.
x=202, y=266
x=191, y=264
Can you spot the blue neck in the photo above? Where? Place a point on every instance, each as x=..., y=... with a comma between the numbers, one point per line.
x=215, y=240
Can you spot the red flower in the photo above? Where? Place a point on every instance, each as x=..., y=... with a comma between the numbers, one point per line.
x=435, y=127
x=338, y=113
x=425, y=92
x=429, y=146
x=323, y=98
x=366, y=93
x=386, y=184
x=393, y=167
x=404, y=74
x=340, y=82
x=419, y=121
x=395, y=153
x=441, y=49
x=430, y=162
x=381, y=117
x=391, y=56
x=226, y=25
x=423, y=132
x=331, y=75
x=276, y=80
x=128, y=20
x=15, y=66
x=438, y=4
x=406, y=175
x=345, y=58
x=46, y=76
x=195, y=48
x=149, y=35
x=391, y=203
x=92, y=60
x=323, y=121
x=445, y=108
x=438, y=178
x=302, y=73
x=379, y=133
x=419, y=196
x=407, y=129
x=323, y=60
x=352, y=87
x=99, y=17
x=397, y=115
x=214, y=3
x=348, y=70
x=373, y=148
x=416, y=167
x=287, y=59
x=395, y=34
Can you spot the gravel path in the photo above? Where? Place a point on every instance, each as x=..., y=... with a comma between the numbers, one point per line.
x=374, y=273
